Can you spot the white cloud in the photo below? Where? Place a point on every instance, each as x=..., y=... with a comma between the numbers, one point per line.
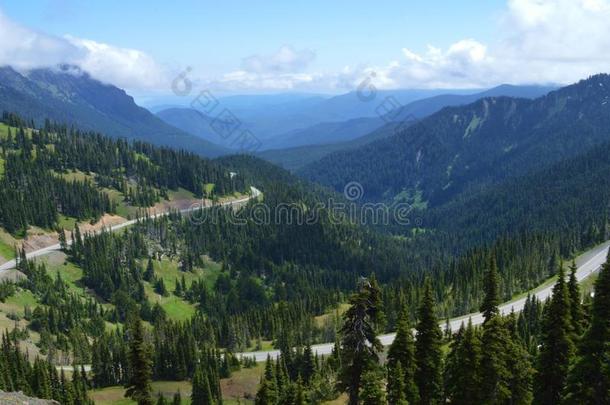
x=24, y=49
x=543, y=41
x=287, y=59
x=120, y=66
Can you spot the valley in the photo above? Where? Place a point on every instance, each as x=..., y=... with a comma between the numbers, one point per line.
x=214, y=203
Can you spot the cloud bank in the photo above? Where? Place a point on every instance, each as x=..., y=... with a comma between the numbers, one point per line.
x=24, y=48
x=541, y=41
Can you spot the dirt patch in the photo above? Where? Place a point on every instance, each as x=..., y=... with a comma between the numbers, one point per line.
x=243, y=383
x=12, y=275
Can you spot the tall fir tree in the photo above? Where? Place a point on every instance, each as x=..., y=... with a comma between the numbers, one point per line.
x=462, y=369
x=402, y=350
x=359, y=343
x=576, y=308
x=396, y=384
x=372, y=392
x=428, y=352
x=589, y=378
x=267, y=393
x=491, y=301
x=140, y=365
x=202, y=392
x=556, y=346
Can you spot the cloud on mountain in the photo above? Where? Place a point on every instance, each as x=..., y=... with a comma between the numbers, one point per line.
x=24, y=48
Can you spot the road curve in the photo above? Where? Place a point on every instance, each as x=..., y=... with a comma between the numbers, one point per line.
x=588, y=263
x=46, y=250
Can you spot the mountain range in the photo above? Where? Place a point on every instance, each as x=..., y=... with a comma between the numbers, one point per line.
x=70, y=96
x=466, y=147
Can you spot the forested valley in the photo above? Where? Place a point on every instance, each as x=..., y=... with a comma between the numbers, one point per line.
x=251, y=282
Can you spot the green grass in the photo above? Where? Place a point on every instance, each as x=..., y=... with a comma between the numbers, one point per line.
x=2, y=162
x=77, y=175
x=208, y=188
x=168, y=270
x=70, y=273
x=3, y=130
x=18, y=301
x=6, y=251
x=66, y=222
x=180, y=194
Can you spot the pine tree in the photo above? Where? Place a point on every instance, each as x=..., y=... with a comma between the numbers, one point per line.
x=557, y=346
x=589, y=378
x=490, y=304
x=495, y=384
x=63, y=244
x=149, y=274
x=359, y=343
x=402, y=350
x=462, y=371
x=428, y=353
x=396, y=384
x=372, y=392
x=267, y=393
x=300, y=393
x=519, y=364
x=576, y=309
x=202, y=392
x=140, y=365
x=308, y=367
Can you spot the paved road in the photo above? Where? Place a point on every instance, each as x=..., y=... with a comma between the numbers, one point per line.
x=44, y=251
x=588, y=263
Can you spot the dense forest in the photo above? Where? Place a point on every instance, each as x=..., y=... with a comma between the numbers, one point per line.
x=34, y=192
x=460, y=149
x=277, y=273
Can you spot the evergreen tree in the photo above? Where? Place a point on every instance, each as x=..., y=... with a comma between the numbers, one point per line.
x=372, y=392
x=359, y=343
x=462, y=371
x=149, y=274
x=202, y=392
x=495, y=384
x=267, y=393
x=576, y=309
x=308, y=367
x=140, y=366
x=557, y=346
x=396, y=384
x=428, y=355
x=489, y=307
x=589, y=378
x=402, y=350
x=300, y=393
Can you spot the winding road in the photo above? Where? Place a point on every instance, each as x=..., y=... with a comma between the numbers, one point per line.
x=195, y=206
x=588, y=263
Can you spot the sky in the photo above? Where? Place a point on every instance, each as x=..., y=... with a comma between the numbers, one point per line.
x=315, y=46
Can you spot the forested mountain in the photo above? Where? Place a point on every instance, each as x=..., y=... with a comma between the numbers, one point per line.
x=72, y=97
x=322, y=139
x=36, y=166
x=469, y=146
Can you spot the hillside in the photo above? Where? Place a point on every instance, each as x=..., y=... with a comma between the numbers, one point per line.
x=71, y=96
x=322, y=139
x=54, y=174
x=468, y=146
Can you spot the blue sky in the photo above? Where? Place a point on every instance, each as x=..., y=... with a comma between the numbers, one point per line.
x=316, y=46
x=218, y=34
